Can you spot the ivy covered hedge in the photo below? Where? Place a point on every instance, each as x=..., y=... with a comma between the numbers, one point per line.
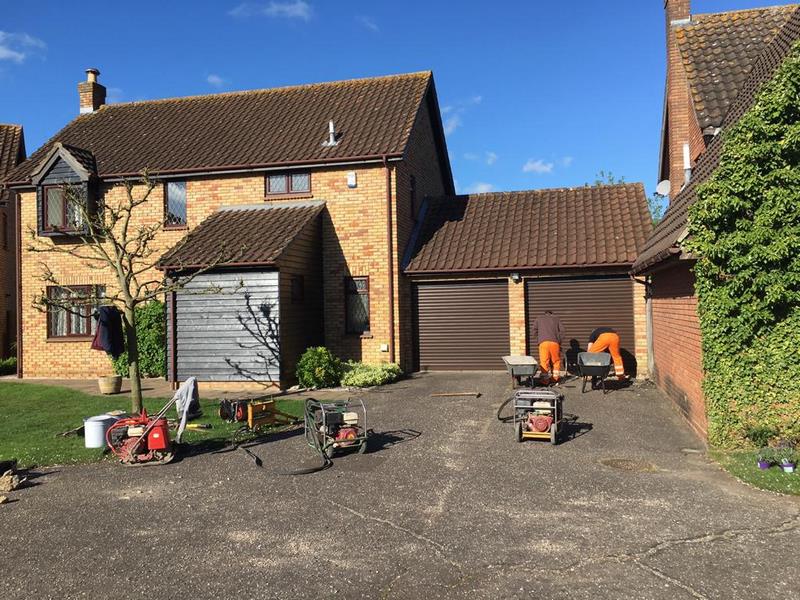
x=151, y=335
x=745, y=231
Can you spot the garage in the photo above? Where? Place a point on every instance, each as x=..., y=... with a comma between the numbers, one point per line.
x=461, y=325
x=584, y=303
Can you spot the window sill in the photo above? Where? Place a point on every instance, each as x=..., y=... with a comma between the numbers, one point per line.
x=70, y=338
x=60, y=233
x=363, y=336
x=303, y=196
x=176, y=227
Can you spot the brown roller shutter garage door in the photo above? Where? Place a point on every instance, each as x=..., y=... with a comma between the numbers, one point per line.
x=584, y=304
x=462, y=326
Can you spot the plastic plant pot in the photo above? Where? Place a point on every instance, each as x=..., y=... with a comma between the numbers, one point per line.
x=764, y=464
x=788, y=467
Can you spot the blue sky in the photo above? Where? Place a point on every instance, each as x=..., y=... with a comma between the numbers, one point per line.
x=534, y=94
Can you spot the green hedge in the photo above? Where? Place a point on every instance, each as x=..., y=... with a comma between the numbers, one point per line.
x=358, y=374
x=319, y=368
x=151, y=335
x=745, y=231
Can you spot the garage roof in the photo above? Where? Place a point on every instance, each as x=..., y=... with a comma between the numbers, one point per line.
x=566, y=227
x=251, y=235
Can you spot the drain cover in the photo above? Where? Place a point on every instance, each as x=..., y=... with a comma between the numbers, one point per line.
x=625, y=464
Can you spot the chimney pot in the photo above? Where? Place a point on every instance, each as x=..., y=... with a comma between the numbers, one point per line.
x=91, y=95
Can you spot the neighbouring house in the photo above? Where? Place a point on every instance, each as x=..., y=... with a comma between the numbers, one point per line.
x=322, y=214
x=716, y=65
x=484, y=266
x=12, y=153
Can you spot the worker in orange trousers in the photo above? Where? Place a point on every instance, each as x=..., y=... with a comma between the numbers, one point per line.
x=605, y=339
x=548, y=331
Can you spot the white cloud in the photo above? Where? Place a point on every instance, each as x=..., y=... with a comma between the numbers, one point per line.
x=470, y=156
x=537, y=166
x=479, y=187
x=294, y=9
x=368, y=22
x=567, y=161
x=447, y=109
x=476, y=100
x=491, y=158
x=16, y=47
x=114, y=95
x=215, y=80
x=452, y=123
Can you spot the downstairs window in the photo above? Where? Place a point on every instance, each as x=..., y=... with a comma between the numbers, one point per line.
x=70, y=309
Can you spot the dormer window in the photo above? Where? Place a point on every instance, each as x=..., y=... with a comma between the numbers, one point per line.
x=62, y=209
x=288, y=184
x=175, y=204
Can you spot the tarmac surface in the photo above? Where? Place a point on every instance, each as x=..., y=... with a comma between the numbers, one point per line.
x=446, y=504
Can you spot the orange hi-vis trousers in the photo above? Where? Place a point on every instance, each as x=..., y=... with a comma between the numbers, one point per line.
x=609, y=342
x=550, y=358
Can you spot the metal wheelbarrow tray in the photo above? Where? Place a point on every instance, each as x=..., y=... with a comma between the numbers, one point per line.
x=595, y=365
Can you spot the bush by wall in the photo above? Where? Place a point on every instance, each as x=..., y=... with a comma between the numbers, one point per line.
x=358, y=374
x=8, y=366
x=151, y=335
x=745, y=231
x=319, y=368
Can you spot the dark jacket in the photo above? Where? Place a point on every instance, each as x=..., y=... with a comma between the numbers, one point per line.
x=547, y=328
x=108, y=336
x=598, y=332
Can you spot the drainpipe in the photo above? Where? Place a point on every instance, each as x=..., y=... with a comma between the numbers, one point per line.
x=19, y=284
x=390, y=246
x=173, y=321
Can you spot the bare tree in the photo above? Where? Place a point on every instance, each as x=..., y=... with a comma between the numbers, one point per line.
x=116, y=239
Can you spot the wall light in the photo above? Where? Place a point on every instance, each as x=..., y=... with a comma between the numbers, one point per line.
x=516, y=277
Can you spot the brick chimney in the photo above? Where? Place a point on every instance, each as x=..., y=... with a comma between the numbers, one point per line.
x=92, y=95
x=680, y=109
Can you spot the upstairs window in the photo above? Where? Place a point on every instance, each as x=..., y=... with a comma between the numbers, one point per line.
x=69, y=311
x=357, y=305
x=62, y=209
x=175, y=204
x=287, y=184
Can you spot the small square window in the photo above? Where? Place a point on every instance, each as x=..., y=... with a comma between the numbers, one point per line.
x=277, y=184
x=301, y=182
x=175, y=204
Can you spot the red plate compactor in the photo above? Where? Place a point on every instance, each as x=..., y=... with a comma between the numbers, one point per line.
x=141, y=440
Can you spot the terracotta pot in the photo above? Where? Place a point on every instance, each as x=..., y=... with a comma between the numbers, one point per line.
x=110, y=384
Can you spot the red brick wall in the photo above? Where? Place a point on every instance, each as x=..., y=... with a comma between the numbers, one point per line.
x=677, y=352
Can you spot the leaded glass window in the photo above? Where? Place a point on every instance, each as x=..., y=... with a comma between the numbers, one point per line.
x=357, y=304
x=175, y=204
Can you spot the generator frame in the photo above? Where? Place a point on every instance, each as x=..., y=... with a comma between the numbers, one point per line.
x=541, y=399
x=317, y=415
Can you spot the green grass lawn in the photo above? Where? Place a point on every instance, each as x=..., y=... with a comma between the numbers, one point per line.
x=32, y=416
x=742, y=465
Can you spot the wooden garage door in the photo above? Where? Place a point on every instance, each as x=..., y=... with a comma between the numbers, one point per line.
x=583, y=304
x=462, y=326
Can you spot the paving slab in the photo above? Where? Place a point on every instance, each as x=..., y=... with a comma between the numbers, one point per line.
x=445, y=505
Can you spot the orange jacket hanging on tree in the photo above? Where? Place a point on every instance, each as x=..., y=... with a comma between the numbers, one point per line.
x=605, y=339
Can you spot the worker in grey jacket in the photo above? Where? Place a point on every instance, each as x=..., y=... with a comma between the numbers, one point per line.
x=548, y=332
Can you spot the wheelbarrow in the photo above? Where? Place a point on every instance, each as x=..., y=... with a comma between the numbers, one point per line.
x=521, y=367
x=594, y=365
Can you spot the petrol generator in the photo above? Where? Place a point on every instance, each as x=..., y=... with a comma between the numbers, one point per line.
x=338, y=425
x=538, y=413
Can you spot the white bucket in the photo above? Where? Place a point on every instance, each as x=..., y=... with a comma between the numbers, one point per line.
x=95, y=429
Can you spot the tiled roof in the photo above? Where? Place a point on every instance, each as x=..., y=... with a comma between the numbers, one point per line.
x=665, y=239
x=718, y=52
x=247, y=129
x=242, y=236
x=12, y=151
x=568, y=227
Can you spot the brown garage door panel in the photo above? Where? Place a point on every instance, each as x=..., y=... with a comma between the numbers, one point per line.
x=583, y=305
x=462, y=326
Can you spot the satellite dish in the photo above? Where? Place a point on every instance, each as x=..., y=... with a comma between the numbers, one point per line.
x=663, y=188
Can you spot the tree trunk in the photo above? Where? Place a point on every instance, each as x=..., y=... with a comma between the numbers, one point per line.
x=129, y=318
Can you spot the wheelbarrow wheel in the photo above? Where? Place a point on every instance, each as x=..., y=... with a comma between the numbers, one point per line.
x=553, y=434
x=519, y=431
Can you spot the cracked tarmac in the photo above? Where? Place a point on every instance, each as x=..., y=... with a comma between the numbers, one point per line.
x=448, y=505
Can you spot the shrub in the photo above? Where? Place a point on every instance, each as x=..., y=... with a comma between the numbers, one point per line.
x=319, y=368
x=8, y=366
x=358, y=374
x=745, y=231
x=151, y=335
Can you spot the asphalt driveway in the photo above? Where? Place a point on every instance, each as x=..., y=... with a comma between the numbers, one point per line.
x=447, y=505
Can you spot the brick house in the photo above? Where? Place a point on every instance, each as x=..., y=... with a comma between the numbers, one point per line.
x=326, y=211
x=12, y=153
x=716, y=63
